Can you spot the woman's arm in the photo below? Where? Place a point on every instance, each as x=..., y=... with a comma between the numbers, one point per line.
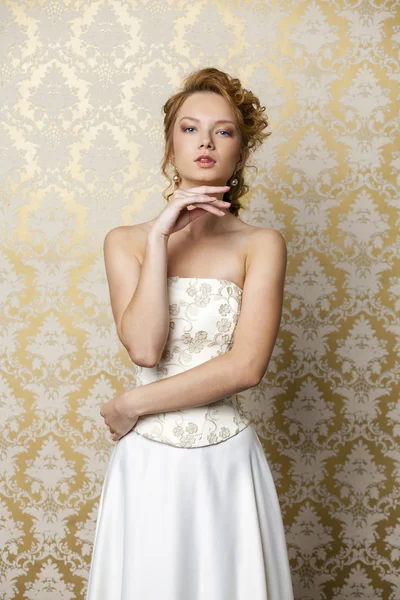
x=138, y=293
x=254, y=339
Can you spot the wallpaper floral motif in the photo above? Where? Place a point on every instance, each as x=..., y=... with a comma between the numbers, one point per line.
x=82, y=85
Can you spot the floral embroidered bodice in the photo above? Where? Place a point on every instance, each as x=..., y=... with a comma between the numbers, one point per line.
x=203, y=316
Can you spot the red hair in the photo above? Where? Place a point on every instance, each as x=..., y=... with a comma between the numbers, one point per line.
x=249, y=116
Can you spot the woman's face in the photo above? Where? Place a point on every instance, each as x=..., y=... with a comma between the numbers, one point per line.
x=205, y=124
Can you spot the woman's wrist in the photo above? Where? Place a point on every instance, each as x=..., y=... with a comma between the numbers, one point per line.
x=136, y=402
x=155, y=236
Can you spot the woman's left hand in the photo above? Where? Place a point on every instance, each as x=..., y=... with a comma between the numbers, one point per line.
x=120, y=415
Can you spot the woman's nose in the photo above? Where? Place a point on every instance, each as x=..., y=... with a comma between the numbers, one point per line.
x=206, y=142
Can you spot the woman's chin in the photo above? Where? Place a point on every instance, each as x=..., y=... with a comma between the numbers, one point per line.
x=206, y=178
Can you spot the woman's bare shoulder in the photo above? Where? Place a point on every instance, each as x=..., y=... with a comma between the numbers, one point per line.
x=254, y=232
x=131, y=239
x=265, y=231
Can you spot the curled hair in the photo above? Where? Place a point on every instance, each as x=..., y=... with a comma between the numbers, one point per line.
x=249, y=116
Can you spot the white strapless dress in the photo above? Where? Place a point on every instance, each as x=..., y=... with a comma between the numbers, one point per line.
x=189, y=509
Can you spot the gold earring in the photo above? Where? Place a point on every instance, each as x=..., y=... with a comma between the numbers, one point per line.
x=234, y=181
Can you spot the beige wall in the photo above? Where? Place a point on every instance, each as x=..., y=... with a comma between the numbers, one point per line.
x=81, y=139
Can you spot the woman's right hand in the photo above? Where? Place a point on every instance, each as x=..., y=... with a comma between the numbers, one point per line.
x=177, y=214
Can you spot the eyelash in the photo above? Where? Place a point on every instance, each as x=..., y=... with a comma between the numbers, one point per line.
x=224, y=130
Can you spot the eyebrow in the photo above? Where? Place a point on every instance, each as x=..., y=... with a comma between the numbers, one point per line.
x=216, y=122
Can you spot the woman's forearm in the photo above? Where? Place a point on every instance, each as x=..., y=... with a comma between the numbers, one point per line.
x=208, y=382
x=145, y=322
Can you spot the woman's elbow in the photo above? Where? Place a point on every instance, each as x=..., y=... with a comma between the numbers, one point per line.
x=141, y=359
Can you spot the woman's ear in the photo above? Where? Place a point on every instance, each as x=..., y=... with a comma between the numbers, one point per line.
x=242, y=159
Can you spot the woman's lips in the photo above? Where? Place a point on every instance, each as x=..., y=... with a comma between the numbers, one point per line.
x=202, y=162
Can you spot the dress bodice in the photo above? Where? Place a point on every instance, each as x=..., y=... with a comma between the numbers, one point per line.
x=203, y=316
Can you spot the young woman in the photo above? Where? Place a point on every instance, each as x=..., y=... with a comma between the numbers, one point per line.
x=188, y=509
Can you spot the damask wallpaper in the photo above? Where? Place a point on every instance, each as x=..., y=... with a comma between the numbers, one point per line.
x=82, y=85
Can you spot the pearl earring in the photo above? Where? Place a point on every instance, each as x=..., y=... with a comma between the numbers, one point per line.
x=176, y=177
x=234, y=181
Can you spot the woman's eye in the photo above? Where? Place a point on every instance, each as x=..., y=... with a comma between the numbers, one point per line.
x=223, y=131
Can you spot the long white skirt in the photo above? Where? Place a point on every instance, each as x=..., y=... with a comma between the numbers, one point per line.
x=189, y=524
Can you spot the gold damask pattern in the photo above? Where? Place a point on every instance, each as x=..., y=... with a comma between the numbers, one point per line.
x=203, y=315
x=81, y=134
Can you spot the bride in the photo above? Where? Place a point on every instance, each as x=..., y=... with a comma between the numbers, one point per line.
x=189, y=507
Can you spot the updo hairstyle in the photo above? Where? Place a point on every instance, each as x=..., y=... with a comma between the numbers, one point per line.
x=249, y=116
